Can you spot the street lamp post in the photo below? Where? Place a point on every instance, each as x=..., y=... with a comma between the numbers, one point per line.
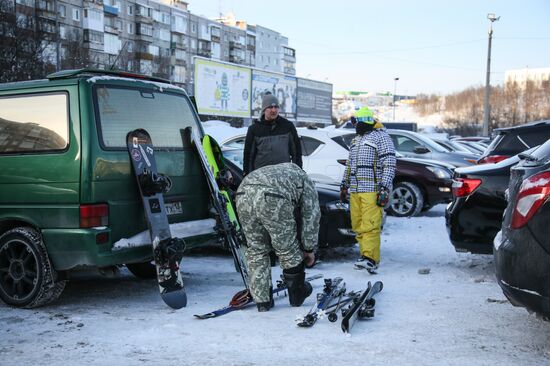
x=394, y=99
x=486, y=107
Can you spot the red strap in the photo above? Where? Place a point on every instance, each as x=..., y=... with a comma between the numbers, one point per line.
x=241, y=298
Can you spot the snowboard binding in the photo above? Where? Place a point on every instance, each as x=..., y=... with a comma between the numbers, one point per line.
x=152, y=183
x=170, y=250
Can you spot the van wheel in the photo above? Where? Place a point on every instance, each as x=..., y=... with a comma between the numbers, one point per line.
x=27, y=278
x=145, y=270
x=406, y=200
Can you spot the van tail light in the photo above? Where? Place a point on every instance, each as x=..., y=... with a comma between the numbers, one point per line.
x=342, y=161
x=94, y=215
x=464, y=186
x=534, y=191
x=492, y=159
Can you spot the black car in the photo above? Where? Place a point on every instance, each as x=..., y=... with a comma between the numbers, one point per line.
x=513, y=140
x=335, y=226
x=522, y=247
x=475, y=215
x=419, y=184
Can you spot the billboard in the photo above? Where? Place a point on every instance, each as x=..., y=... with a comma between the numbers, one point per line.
x=222, y=89
x=314, y=101
x=282, y=86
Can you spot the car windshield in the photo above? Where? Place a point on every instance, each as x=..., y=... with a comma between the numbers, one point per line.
x=123, y=109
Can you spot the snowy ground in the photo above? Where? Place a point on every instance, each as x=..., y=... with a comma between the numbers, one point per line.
x=455, y=315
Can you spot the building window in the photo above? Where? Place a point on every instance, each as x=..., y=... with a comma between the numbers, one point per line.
x=130, y=28
x=76, y=15
x=130, y=10
x=194, y=28
x=62, y=11
x=62, y=32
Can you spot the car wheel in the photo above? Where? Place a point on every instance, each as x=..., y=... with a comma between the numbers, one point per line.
x=145, y=270
x=27, y=278
x=406, y=200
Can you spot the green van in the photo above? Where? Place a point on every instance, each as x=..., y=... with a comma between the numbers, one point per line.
x=68, y=196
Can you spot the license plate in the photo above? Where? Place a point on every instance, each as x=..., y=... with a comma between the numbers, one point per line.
x=173, y=208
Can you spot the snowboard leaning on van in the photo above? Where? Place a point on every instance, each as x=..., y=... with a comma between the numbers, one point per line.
x=167, y=251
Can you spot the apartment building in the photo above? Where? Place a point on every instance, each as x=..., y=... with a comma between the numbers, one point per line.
x=154, y=37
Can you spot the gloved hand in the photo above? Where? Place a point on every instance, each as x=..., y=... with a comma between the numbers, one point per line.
x=343, y=194
x=383, y=196
x=309, y=259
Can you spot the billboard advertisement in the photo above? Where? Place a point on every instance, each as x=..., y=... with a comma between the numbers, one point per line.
x=282, y=86
x=222, y=89
x=314, y=101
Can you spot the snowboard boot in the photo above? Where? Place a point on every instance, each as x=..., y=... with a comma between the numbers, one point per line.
x=265, y=306
x=298, y=288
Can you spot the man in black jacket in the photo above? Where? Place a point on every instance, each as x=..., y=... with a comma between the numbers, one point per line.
x=271, y=140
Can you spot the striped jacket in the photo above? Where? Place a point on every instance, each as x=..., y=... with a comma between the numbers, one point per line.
x=371, y=162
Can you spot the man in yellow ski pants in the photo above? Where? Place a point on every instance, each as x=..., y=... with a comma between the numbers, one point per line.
x=368, y=178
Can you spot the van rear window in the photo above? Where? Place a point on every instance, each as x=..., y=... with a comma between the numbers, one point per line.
x=120, y=110
x=33, y=123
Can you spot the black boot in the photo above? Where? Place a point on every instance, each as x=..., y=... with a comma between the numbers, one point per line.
x=265, y=306
x=298, y=288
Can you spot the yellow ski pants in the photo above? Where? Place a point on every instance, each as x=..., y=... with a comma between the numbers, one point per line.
x=366, y=222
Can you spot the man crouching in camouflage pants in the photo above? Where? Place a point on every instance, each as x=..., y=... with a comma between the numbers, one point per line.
x=267, y=200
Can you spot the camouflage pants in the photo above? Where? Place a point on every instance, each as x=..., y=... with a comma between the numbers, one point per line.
x=267, y=220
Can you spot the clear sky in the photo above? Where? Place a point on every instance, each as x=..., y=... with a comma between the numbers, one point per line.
x=432, y=46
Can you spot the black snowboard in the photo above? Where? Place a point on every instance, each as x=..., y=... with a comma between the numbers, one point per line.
x=167, y=251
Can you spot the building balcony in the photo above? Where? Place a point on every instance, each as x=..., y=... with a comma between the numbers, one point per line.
x=236, y=45
x=177, y=62
x=144, y=19
x=215, y=38
x=204, y=52
x=251, y=47
x=44, y=13
x=143, y=37
x=290, y=70
x=110, y=10
x=236, y=59
x=144, y=56
x=112, y=30
x=178, y=45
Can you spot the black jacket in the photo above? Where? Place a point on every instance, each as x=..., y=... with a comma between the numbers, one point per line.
x=269, y=143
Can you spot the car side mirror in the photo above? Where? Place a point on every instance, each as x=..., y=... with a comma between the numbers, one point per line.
x=421, y=150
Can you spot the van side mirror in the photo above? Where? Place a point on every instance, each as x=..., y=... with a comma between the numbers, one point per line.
x=421, y=150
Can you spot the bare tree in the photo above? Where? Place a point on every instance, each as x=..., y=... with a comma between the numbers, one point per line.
x=75, y=56
x=24, y=43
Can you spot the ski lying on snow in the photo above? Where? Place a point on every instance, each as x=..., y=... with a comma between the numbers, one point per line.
x=243, y=299
x=334, y=289
x=361, y=307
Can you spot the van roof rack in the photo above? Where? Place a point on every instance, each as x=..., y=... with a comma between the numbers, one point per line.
x=66, y=74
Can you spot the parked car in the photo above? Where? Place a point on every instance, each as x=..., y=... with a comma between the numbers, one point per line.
x=522, y=247
x=451, y=145
x=415, y=145
x=513, y=140
x=475, y=215
x=484, y=140
x=67, y=191
x=324, y=154
x=419, y=184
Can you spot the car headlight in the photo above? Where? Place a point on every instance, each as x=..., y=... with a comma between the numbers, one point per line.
x=441, y=173
x=337, y=205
